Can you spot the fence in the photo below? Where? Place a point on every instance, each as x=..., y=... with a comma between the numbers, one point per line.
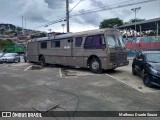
x=135, y=45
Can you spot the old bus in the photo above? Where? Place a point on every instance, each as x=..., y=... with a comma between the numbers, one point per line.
x=97, y=49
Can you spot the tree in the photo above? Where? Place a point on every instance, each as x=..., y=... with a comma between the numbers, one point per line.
x=4, y=43
x=111, y=22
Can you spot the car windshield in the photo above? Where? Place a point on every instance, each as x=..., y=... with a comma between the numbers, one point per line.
x=1, y=54
x=8, y=55
x=153, y=57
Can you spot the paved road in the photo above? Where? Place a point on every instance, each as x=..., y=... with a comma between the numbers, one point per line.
x=124, y=75
x=23, y=90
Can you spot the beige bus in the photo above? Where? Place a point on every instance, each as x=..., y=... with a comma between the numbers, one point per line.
x=97, y=49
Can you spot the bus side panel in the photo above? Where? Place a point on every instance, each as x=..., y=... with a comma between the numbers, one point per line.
x=77, y=55
x=55, y=55
x=77, y=58
x=32, y=51
x=100, y=53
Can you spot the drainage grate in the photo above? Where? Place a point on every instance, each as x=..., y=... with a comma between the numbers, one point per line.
x=36, y=67
x=66, y=72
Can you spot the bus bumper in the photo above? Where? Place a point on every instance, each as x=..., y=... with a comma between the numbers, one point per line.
x=125, y=63
x=115, y=65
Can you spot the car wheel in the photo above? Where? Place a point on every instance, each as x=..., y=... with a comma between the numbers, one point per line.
x=134, y=71
x=42, y=61
x=15, y=61
x=95, y=65
x=147, y=80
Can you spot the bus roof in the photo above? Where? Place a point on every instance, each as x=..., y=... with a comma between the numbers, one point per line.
x=69, y=35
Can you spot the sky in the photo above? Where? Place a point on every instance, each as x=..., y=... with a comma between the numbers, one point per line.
x=39, y=13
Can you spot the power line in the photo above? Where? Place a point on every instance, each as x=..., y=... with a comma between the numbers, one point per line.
x=120, y=6
x=99, y=9
x=59, y=20
x=75, y=6
x=111, y=4
x=64, y=18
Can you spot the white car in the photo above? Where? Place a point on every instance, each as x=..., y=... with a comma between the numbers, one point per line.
x=10, y=57
x=1, y=54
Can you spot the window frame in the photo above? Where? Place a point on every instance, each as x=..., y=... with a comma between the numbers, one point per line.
x=93, y=46
x=42, y=47
x=55, y=44
x=76, y=38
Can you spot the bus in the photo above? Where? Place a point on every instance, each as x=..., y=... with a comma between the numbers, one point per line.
x=99, y=49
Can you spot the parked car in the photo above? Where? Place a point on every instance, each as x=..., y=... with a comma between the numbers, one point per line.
x=10, y=57
x=1, y=54
x=147, y=65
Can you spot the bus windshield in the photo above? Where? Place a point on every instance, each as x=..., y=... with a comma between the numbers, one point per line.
x=115, y=41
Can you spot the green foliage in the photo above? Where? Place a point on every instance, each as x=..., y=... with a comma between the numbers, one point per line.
x=152, y=34
x=19, y=29
x=126, y=23
x=1, y=31
x=4, y=43
x=111, y=22
x=8, y=26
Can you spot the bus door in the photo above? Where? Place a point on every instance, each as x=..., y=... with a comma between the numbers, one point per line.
x=67, y=49
x=76, y=52
x=95, y=45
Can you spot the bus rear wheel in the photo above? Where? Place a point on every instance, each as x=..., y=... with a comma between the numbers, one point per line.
x=42, y=61
x=95, y=65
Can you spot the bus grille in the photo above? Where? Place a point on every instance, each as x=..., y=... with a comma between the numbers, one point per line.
x=118, y=58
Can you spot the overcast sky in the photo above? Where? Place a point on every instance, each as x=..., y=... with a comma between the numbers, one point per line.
x=40, y=12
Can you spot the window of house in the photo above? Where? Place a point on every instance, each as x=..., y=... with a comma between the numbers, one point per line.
x=43, y=45
x=78, y=41
x=95, y=42
x=55, y=44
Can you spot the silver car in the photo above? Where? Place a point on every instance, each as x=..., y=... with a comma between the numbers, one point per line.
x=1, y=54
x=10, y=57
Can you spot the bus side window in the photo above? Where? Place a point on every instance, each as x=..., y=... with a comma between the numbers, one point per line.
x=88, y=42
x=55, y=44
x=95, y=42
x=78, y=41
x=43, y=45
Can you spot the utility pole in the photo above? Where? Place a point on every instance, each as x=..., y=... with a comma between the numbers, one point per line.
x=67, y=15
x=25, y=23
x=50, y=30
x=135, y=10
x=22, y=24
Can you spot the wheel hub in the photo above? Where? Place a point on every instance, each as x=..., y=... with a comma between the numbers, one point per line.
x=95, y=65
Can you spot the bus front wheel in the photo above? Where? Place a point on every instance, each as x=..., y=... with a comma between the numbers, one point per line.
x=42, y=61
x=95, y=65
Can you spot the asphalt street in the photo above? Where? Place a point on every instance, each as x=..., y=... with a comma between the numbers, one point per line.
x=23, y=89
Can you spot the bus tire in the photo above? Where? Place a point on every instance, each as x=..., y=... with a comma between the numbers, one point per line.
x=42, y=61
x=95, y=65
